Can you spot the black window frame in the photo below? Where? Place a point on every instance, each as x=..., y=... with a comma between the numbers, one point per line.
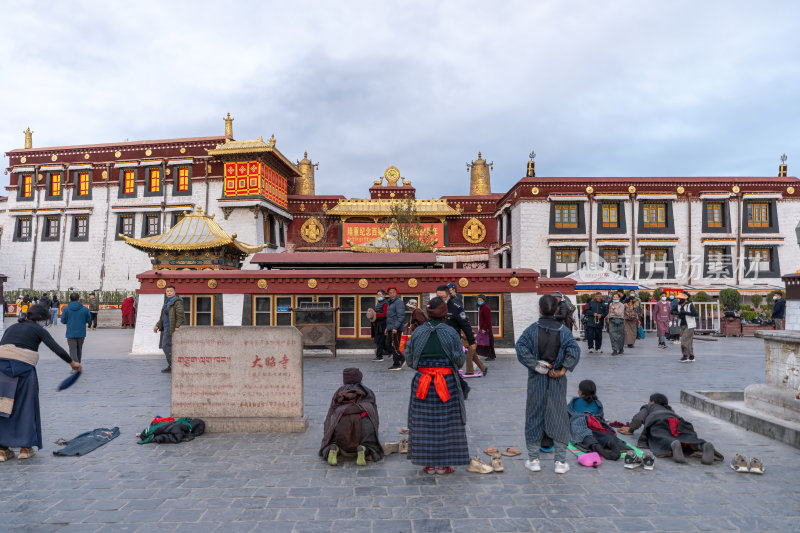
x=147, y=191
x=773, y=216
x=581, y=218
x=622, y=226
x=146, y=224
x=21, y=187
x=18, y=227
x=73, y=234
x=774, y=263
x=669, y=219
x=76, y=185
x=727, y=263
x=49, y=186
x=177, y=216
x=554, y=271
x=121, y=191
x=175, y=172
x=48, y=222
x=622, y=259
x=725, y=213
x=120, y=218
x=644, y=273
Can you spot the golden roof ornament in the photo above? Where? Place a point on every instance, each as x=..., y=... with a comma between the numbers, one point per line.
x=474, y=231
x=28, y=138
x=228, y=126
x=272, y=141
x=479, y=182
x=304, y=185
x=392, y=176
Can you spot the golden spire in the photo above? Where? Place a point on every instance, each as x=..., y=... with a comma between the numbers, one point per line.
x=272, y=141
x=305, y=183
x=479, y=182
x=28, y=138
x=783, y=168
x=531, y=173
x=228, y=126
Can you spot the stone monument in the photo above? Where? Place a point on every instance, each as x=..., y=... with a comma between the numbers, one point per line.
x=239, y=379
x=777, y=395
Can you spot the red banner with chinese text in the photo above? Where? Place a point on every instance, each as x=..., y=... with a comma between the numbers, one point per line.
x=365, y=232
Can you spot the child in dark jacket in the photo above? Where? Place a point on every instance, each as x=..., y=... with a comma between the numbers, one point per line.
x=588, y=427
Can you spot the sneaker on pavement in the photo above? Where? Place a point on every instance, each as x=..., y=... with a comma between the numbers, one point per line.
x=677, y=452
x=442, y=470
x=648, y=460
x=708, y=454
x=756, y=466
x=6, y=454
x=396, y=367
x=561, y=468
x=684, y=359
x=591, y=350
x=632, y=460
x=402, y=446
x=377, y=359
x=26, y=453
x=497, y=463
x=391, y=447
x=478, y=466
x=361, y=459
x=598, y=351
x=739, y=463
x=691, y=359
x=533, y=465
x=429, y=470
x=332, y=455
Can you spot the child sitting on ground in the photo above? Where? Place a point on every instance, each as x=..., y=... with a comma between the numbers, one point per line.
x=588, y=427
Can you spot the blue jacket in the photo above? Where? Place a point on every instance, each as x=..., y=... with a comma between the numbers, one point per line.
x=395, y=315
x=76, y=316
x=779, y=309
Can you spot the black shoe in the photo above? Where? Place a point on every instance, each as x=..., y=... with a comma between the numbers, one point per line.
x=167, y=370
x=486, y=371
x=615, y=352
x=621, y=352
x=396, y=367
x=377, y=359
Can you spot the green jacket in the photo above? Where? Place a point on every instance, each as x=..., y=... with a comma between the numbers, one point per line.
x=175, y=315
x=93, y=304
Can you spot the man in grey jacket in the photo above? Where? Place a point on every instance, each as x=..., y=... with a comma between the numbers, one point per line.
x=395, y=319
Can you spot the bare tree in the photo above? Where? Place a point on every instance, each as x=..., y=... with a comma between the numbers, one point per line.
x=404, y=227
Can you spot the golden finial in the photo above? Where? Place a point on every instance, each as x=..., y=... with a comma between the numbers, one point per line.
x=228, y=126
x=28, y=138
x=272, y=141
x=199, y=209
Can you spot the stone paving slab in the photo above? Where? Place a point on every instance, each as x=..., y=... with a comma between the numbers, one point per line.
x=271, y=482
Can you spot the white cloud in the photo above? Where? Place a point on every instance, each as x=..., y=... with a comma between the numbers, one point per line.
x=597, y=88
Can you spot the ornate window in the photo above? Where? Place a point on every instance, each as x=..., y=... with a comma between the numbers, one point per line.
x=128, y=181
x=51, y=228
x=83, y=184
x=654, y=215
x=23, y=230
x=566, y=259
x=125, y=225
x=55, y=184
x=609, y=214
x=714, y=214
x=152, y=225
x=566, y=216
x=154, y=180
x=758, y=215
x=80, y=228
x=611, y=255
x=26, y=186
x=183, y=180
x=759, y=257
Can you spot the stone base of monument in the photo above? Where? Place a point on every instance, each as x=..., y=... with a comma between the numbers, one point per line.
x=239, y=379
x=767, y=408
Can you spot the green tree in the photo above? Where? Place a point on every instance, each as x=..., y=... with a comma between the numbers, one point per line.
x=756, y=299
x=730, y=299
x=701, y=296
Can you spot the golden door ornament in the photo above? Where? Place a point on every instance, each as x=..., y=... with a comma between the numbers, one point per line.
x=23, y=159
x=105, y=175
x=363, y=283
x=212, y=283
x=474, y=231
x=262, y=284
x=54, y=157
x=311, y=231
x=514, y=281
x=312, y=283
x=412, y=282
x=161, y=283
x=463, y=282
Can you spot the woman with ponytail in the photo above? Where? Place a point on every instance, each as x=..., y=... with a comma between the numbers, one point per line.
x=588, y=427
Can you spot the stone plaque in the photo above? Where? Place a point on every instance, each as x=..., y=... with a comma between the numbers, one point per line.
x=239, y=379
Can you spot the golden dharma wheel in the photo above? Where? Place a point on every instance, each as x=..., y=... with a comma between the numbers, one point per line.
x=312, y=283
x=183, y=150
x=363, y=283
x=412, y=282
x=514, y=281
x=262, y=284
x=631, y=189
x=463, y=282
x=736, y=189
x=535, y=191
x=681, y=190
x=117, y=154
x=148, y=152
x=589, y=189
x=790, y=190
x=212, y=284
x=161, y=283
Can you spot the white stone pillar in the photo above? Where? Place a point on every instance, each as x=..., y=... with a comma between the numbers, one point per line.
x=525, y=311
x=144, y=340
x=232, y=305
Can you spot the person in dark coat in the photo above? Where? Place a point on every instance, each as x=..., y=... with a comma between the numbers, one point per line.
x=779, y=311
x=395, y=320
x=54, y=305
x=457, y=319
x=379, y=326
x=485, y=339
x=351, y=425
x=170, y=319
x=595, y=312
x=94, y=309
x=667, y=434
x=548, y=349
x=588, y=427
x=19, y=354
x=45, y=302
x=76, y=316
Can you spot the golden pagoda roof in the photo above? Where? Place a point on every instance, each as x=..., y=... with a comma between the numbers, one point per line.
x=193, y=232
x=252, y=146
x=374, y=207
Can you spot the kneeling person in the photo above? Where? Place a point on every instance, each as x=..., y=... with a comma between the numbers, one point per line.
x=351, y=426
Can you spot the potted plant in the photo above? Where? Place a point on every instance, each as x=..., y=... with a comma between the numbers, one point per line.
x=731, y=301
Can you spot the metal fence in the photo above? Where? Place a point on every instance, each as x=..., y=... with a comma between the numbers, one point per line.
x=708, y=315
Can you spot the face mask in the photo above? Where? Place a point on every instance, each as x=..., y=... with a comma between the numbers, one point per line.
x=775, y=297
x=663, y=298
x=616, y=300
x=480, y=303
x=380, y=298
x=671, y=297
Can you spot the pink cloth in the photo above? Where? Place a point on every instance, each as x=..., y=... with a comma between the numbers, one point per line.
x=662, y=315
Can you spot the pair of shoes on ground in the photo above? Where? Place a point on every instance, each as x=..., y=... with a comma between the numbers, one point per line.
x=510, y=452
x=689, y=359
x=535, y=466
x=479, y=467
x=395, y=447
x=361, y=456
x=618, y=352
x=592, y=350
x=378, y=359
x=398, y=367
x=441, y=470
x=647, y=460
x=679, y=457
x=24, y=453
x=752, y=465
x=662, y=346
x=475, y=374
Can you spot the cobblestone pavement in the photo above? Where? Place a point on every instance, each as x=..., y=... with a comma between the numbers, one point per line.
x=275, y=483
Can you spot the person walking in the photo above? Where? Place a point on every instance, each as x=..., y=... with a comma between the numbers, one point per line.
x=632, y=321
x=565, y=310
x=662, y=315
x=170, y=319
x=485, y=339
x=54, y=305
x=418, y=316
x=595, y=312
x=128, y=313
x=76, y=316
x=21, y=424
x=94, y=308
x=548, y=349
x=687, y=315
x=378, y=329
x=616, y=324
x=779, y=311
x=436, y=412
x=24, y=305
x=457, y=319
x=44, y=301
x=676, y=339
x=395, y=319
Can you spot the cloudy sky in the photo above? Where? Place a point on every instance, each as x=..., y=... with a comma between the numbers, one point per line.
x=596, y=88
